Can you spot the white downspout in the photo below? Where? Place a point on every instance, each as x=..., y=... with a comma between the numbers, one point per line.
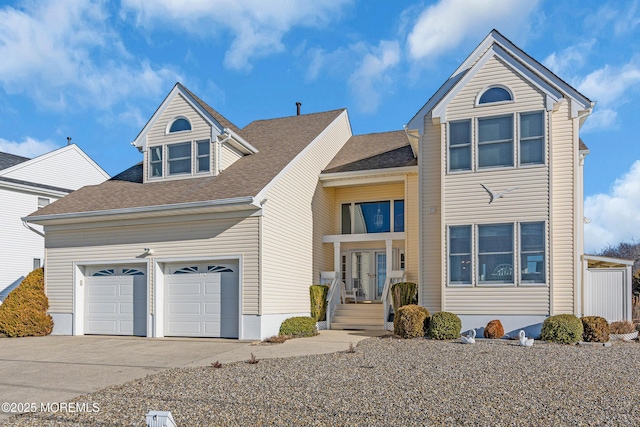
x=40, y=233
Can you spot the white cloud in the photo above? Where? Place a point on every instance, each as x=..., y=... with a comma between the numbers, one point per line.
x=608, y=84
x=601, y=118
x=446, y=24
x=371, y=77
x=257, y=26
x=29, y=147
x=615, y=217
x=55, y=53
x=570, y=59
x=622, y=16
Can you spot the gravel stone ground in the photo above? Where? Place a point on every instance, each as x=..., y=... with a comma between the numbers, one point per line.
x=387, y=381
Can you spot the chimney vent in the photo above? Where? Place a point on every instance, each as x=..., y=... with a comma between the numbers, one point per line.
x=298, y=105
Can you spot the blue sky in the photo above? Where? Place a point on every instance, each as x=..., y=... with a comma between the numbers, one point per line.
x=97, y=70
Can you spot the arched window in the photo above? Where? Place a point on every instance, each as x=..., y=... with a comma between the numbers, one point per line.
x=495, y=94
x=180, y=124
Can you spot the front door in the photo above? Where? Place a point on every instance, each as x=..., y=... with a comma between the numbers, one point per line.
x=367, y=272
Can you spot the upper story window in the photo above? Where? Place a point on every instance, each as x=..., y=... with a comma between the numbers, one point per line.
x=460, y=145
x=495, y=94
x=42, y=202
x=180, y=125
x=531, y=138
x=372, y=217
x=495, y=141
x=179, y=159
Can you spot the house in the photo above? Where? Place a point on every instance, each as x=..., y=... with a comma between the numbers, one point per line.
x=220, y=230
x=29, y=184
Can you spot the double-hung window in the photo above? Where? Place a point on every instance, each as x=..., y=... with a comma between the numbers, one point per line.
x=203, y=162
x=532, y=252
x=179, y=158
x=495, y=253
x=155, y=161
x=495, y=142
x=531, y=138
x=460, y=254
x=460, y=145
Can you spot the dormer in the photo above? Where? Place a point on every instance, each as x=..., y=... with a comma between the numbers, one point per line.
x=186, y=138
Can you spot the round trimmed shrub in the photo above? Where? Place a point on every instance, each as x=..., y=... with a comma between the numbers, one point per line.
x=595, y=329
x=562, y=328
x=24, y=311
x=411, y=321
x=444, y=326
x=494, y=330
x=622, y=327
x=318, y=294
x=299, y=327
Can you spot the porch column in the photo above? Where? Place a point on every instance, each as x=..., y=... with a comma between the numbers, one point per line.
x=336, y=258
x=389, y=244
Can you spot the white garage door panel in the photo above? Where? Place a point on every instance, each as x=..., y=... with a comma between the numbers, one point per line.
x=203, y=304
x=115, y=304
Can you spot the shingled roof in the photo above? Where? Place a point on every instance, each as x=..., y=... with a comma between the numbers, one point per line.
x=373, y=151
x=278, y=142
x=8, y=160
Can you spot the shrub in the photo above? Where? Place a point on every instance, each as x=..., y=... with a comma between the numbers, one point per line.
x=444, y=326
x=621, y=327
x=411, y=321
x=24, y=311
x=595, y=329
x=562, y=328
x=494, y=330
x=318, y=295
x=404, y=293
x=299, y=327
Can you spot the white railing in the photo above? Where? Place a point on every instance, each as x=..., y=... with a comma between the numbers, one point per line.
x=334, y=294
x=393, y=277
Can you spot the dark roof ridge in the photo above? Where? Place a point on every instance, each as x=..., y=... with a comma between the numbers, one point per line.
x=293, y=116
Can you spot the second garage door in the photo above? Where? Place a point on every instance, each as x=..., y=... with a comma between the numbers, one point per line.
x=201, y=300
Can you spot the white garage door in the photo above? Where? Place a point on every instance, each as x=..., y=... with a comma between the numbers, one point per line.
x=201, y=300
x=116, y=301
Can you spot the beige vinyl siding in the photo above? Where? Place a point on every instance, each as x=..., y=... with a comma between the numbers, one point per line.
x=498, y=300
x=467, y=202
x=411, y=219
x=202, y=238
x=431, y=214
x=527, y=97
x=563, y=163
x=322, y=208
x=228, y=155
x=364, y=193
x=179, y=107
x=287, y=229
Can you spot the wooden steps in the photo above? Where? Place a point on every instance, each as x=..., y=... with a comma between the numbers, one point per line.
x=365, y=316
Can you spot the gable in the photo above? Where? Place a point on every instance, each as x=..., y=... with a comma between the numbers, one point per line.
x=68, y=167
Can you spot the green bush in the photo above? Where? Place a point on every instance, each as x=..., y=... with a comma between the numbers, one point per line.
x=411, y=321
x=562, y=328
x=404, y=293
x=444, y=326
x=24, y=311
x=595, y=329
x=319, y=302
x=299, y=327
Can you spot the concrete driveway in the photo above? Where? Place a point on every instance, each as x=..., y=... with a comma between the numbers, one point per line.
x=57, y=368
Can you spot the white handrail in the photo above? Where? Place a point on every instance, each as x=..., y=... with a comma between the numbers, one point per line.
x=394, y=276
x=331, y=295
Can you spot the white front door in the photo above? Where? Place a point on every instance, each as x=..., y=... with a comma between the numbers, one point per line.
x=202, y=300
x=367, y=272
x=116, y=301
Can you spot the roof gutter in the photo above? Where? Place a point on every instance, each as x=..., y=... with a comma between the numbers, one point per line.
x=31, y=228
x=248, y=201
x=241, y=140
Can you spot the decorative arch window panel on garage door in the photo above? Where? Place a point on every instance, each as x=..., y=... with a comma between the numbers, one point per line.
x=192, y=269
x=125, y=271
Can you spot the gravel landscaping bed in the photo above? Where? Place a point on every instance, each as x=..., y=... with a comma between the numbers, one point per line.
x=387, y=381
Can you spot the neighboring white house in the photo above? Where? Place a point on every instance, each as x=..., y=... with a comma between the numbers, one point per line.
x=29, y=184
x=219, y=231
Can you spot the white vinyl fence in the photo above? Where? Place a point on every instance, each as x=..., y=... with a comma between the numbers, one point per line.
x=607, y=293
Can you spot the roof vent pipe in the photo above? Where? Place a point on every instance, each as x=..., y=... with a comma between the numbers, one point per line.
x=298, y=105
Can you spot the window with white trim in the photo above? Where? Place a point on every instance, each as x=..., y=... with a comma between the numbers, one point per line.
x=532, y=252
x=203, y=158
x=43, y=201
x=460, y=145
x=155, y=161
x=372, y=217
x=460, y=254
x=495, y=142
x=495, y=253
x=179, y=159
x=495, y=94
x=531, y=138
x=180, y=124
